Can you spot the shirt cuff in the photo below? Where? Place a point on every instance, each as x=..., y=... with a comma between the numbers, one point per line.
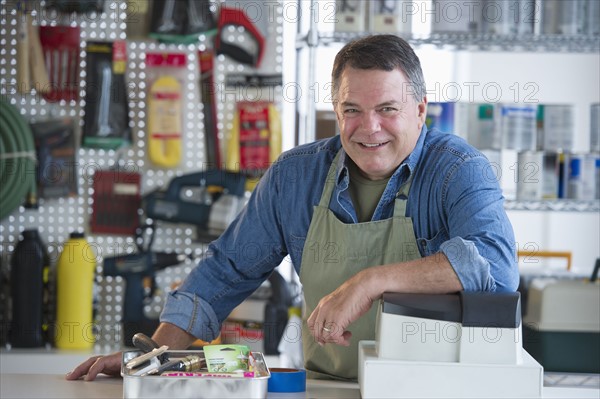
x=472, y=269
x=192, y=314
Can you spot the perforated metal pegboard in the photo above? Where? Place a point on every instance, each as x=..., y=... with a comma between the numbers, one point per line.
x=56, y=218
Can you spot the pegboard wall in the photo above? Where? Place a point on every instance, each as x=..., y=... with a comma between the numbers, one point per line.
x=55, y=219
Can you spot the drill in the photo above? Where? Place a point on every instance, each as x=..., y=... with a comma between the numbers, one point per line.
x=134, y=268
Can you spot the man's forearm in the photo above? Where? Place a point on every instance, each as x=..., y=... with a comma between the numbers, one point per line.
x=430, y=275
x=172, y=336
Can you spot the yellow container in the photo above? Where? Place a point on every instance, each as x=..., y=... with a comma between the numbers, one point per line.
x=74, y=327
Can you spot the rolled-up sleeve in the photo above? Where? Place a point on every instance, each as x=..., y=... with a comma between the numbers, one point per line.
x=192, y=314
x=481, y=244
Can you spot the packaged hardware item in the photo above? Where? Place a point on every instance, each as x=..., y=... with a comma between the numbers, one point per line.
x=165, y=75
x=181, y=21
x=227, y=358
x=106, y=121
x=56, y=167
x=242, y=36
x=117, y=200
x=60, y=47
x=255, y=138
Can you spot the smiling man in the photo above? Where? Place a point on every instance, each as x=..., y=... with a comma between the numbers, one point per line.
x=387, y=206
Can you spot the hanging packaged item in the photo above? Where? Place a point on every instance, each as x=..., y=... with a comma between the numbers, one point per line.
x=350, y=15
x=74, y=328
x=60, y=46
x=242, y=36
x=255, y=138
x=117, y=200
x=181, y=21
x=29, y=272
x=106, y=121
x=207, y=94
x=80, y=6
x=55, y=148
x=165, y=73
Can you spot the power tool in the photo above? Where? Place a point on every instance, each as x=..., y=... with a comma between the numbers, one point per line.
x=135, y=268
x=210, y=200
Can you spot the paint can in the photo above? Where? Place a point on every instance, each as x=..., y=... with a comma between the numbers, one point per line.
x=530, y=175
x=518, y=126
x=502, y=17
x=557, y=123
x=580, y=176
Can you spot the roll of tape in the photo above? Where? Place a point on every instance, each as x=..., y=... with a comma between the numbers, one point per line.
x=287, y=380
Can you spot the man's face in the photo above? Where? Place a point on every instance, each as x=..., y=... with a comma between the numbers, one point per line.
x=379, y=119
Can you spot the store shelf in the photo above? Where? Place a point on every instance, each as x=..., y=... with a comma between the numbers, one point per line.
x=554, y=205
x=483, y=42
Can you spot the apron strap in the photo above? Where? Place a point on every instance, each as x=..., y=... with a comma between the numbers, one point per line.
x=402, y=198
x=330, y=182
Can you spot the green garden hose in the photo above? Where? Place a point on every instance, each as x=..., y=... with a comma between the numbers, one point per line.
x=17, y=160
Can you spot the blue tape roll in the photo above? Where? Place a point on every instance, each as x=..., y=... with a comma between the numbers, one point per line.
x=287, y=380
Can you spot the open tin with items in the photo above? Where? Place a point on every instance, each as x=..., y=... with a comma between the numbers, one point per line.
x=161, y=373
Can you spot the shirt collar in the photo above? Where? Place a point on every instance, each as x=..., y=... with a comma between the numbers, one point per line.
x=410, y=162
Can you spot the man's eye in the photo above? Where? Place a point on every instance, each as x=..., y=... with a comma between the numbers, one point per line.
x=350, y=111
x=388, y=109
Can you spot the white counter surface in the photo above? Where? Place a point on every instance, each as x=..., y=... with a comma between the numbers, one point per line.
x=30, y=386
x=31, y=374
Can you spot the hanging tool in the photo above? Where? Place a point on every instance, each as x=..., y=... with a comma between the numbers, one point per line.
x=200, y=199
x=250, y=51
x=164, y=122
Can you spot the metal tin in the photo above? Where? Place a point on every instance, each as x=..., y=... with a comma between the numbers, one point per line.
x=595, y=128
x=455, y=16
x=518, y=126
x=580, y=176
x=564, y=17
x=135, y=386
x=550, y=176
x=508, y=17
x=558, y=127
x=530, y=175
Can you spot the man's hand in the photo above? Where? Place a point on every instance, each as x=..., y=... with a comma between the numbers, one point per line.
x=329, y=321
x=109, y=365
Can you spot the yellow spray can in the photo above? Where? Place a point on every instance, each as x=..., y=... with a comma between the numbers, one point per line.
x=74, y=327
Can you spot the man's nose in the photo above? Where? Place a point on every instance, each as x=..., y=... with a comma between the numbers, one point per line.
x=370, y=122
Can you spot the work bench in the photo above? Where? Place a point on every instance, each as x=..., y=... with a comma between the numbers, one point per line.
x=41, y=374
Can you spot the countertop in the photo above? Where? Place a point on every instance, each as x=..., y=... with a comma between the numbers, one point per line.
x=35, y=374
x=13, y=386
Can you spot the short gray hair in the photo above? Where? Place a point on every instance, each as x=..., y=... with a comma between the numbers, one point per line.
x=382, y=52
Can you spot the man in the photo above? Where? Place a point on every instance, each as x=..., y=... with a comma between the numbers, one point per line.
x=385, y=206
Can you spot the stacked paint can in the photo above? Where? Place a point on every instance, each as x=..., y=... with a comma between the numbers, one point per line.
x=532, y=148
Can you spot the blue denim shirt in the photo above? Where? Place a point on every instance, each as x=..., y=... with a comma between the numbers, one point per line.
x=455, y=202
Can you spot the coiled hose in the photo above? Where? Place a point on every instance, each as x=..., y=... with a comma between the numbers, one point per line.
x=17, y=160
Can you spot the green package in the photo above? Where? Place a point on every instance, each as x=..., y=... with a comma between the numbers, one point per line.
x=226, y=358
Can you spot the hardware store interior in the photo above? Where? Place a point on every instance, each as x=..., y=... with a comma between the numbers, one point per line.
x=135, y=134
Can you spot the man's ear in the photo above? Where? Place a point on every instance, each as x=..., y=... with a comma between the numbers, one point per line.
x=422, y=111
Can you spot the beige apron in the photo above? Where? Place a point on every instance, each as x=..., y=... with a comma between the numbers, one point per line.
x=334, y=252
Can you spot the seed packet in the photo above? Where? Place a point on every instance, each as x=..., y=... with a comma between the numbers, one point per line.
x=226, y=358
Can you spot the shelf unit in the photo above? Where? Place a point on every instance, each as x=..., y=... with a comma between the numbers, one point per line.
x=313, y=39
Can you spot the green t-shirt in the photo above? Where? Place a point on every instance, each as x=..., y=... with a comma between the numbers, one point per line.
x=365, y=193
